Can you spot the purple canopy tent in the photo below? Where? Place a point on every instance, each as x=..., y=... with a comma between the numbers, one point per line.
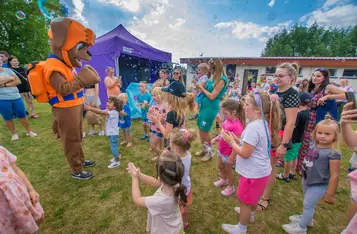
x=117, y=49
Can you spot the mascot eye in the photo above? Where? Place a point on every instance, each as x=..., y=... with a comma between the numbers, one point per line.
x=81, y=46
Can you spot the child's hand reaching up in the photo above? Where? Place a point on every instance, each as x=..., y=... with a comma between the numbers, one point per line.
x=133, y=171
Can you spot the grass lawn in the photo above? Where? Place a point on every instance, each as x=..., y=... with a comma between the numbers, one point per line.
x=104, y=205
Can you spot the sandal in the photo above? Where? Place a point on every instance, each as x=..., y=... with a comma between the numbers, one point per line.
x=280, y=176
x=292, y=176
x=185, y=225
x=35, y=116
x=261, y=207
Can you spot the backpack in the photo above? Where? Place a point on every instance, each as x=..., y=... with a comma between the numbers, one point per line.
x=35, y=74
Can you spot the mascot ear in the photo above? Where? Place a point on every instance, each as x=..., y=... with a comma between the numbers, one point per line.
x=59, y=30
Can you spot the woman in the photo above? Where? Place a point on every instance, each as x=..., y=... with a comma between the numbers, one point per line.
x=341, y=102
x=323, y=101
x=303, y=85
x=112, y=83
x=285, y=78
x=11, y=102
x=177, y=76
x=24, y=87
x=163, y=80
x=92, y=99
x=214, y=91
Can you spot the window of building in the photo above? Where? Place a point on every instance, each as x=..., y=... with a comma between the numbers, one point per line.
x=231, y=70
x=270, y=70
x=332, y=72
x=300, y=71
x=350, y=73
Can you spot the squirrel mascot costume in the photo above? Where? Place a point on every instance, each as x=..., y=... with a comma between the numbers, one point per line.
x=69, y=42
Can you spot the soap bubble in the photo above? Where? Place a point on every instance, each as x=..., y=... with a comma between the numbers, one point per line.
x=271, y=15
x=20, y=15
x=215, y=16
x=28, y=1
x=47, y=8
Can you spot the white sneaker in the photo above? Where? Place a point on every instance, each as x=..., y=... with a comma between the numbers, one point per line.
x=91, y=133
x=114, y=164
x=237, y=210
x=15, y=137
x=294, y=228
x=233, y=229
x=31, y=134
x=84, y=134
x=101, y=133
x=296, y=219
x=112, y=160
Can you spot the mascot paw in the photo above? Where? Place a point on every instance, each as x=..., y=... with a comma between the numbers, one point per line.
x=88, y=76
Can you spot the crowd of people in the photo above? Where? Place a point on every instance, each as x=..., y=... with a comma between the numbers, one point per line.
x=275, y=121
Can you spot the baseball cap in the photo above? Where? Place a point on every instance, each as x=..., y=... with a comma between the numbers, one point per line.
x=305, y=97
x=175, y=88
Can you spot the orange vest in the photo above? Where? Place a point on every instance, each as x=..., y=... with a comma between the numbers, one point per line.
x=56, y=99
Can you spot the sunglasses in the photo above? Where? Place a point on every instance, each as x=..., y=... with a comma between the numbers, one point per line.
x=176, y=73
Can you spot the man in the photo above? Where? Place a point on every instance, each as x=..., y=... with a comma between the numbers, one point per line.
x=4, y=56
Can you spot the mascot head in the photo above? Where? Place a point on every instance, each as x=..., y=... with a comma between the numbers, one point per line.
x=70, y=40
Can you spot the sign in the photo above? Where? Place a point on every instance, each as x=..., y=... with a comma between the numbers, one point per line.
x=128, y=50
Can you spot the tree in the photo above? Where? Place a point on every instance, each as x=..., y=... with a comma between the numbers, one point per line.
x=313, y=41
x=27, y=38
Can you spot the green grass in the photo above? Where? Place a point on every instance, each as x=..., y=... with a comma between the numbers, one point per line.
x=104, y=205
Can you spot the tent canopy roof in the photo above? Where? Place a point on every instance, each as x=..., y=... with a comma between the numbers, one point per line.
x=119, y=41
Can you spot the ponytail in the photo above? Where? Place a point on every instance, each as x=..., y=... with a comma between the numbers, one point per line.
x=241, y=113
x=190, y=98
x=180, y=194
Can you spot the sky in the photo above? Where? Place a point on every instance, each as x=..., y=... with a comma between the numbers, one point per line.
x=226, y=28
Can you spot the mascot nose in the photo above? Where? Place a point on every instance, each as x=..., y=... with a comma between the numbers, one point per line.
x=89, y=53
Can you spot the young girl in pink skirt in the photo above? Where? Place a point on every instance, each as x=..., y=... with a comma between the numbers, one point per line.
x=253, y=154
x=20, y=210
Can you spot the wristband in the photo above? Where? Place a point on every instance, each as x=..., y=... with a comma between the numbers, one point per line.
x=231, y=143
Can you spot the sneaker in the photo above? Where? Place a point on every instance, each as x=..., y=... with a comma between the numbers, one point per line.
x=15, y=137
x=35, y=116
x=91, y=133
x=233, y=229
x=83, y=135
x=200, y=153
x=296, y=219
x=228, y=191
x=31, y=134
x=112, y=160
x=207, y=157
x=114, y=164
x=101, y=133
x=294, y=228
x=83, y=175
x=237, y=210
x=154, y=158
x=88, y=163
x=220, y=183
x=144, y=137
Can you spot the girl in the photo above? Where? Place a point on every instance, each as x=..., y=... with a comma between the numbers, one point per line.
x=20, y=210
x=252, y=87
x=235, y=92
x=214, y=92
x=253, y=152
x=234, y=122
x=163, y=80
x=114, y=106
x=155, y=133
x=177, y=101
x=321, y=169
x=323, y=101
x=125, y=120
x=164, y=212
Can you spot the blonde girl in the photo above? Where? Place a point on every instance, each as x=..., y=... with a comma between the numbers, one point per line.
x=253, y=153
x=234, y=123
x=321, y=169
x=164, y=212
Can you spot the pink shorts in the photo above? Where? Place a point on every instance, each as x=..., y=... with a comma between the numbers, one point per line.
x=250, y=190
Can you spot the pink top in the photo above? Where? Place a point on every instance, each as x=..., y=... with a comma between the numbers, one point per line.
x=161, y=108
x=234, y=126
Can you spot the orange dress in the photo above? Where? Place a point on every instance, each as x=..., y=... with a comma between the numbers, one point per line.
x=115, y=91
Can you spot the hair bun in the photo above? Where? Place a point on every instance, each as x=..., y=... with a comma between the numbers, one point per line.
x=296, y=66
x=328, y=116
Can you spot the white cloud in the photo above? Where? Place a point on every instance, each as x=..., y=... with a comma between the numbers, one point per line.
x=251, y=30
x=178, y=23
x=339, y=16
x=78, y=10
x=271, y=4
x=332, y=3
x=128, y=5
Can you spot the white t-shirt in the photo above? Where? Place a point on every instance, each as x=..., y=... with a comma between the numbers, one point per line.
x=235, y=93
x=164, y=214
x=186, y=180
x=111, y=123
x=265, y=87
x=258, y=164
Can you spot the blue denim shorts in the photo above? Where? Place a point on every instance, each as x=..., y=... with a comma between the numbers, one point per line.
x=9, y=109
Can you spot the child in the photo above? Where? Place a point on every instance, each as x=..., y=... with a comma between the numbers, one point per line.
x=164, y=213
x=144, y=99
x=235, y=92
x=298, y=133
x=253, y=154
x=234, y=120
x=200, y=78
x=125, y=120
x=20, y=210
x=321, y=169
x=176, y=100
x=156, y=135
x=114, y=106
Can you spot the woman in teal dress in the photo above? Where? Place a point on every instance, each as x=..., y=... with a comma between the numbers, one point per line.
x=214, y=92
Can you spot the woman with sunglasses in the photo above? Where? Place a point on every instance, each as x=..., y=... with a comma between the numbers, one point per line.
x=177, y=76
x=323, y=102
x=215, y=89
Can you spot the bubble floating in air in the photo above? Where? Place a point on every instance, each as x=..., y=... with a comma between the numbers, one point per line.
x=47, y=8
x=215, y=16
x=271, y=15
x=20, y=15
x=28, y=1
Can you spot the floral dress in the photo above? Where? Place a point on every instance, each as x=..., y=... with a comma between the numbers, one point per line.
x=17, y=213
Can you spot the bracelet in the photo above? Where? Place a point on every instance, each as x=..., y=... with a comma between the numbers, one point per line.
x=231, y=143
